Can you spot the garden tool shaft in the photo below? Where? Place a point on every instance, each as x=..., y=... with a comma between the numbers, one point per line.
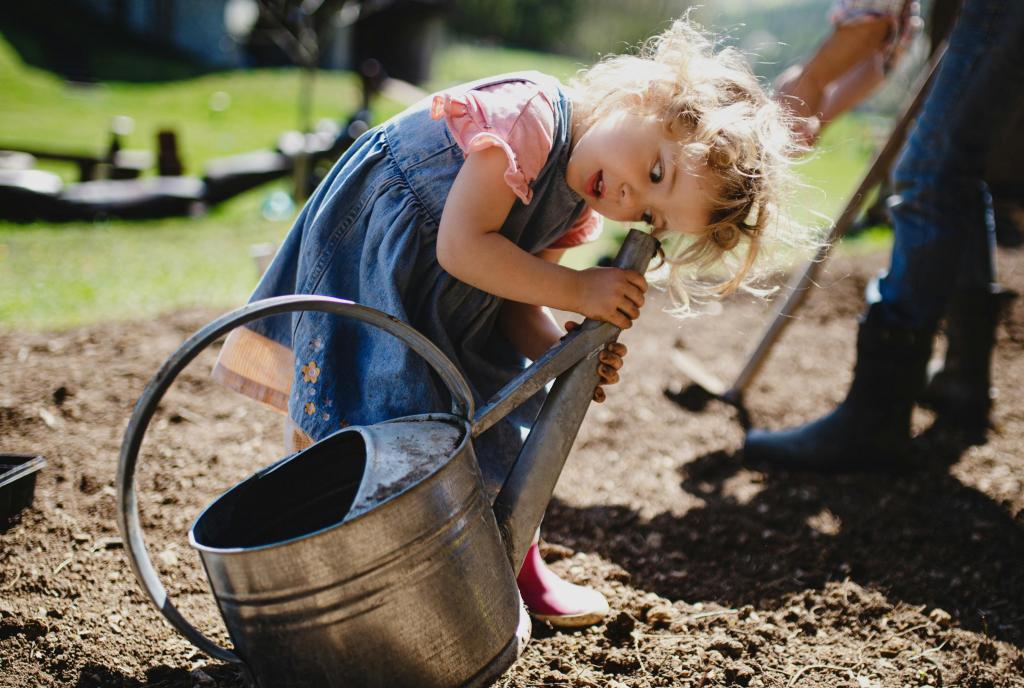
x=520, y=505
x=798, y=285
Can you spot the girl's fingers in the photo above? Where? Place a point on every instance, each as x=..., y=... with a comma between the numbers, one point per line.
x=610, y=359
x=620, y=320
x=637, y=280
x=630, y=310
x=635, y=294
x=616, y=349
x=609, y=376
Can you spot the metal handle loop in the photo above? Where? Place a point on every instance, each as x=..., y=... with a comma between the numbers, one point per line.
x=128, y=508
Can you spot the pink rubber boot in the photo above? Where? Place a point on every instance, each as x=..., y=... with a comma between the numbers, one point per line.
x=559, y=602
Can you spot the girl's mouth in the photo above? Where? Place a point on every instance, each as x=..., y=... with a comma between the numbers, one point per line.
x=595, y=186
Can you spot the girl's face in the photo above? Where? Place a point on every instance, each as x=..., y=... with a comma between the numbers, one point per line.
x=626, y=168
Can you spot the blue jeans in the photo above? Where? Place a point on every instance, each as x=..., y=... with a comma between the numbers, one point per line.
x=942, y=216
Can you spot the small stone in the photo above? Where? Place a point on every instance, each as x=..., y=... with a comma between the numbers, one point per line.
x=551, y=551
x=740, y=673
x=201, y=678
x=48, y=418
x=660, y=615
x=60, y=395
x=620, y=628
x=730, y=647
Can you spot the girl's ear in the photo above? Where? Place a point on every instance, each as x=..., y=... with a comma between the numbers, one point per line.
x=726, y=236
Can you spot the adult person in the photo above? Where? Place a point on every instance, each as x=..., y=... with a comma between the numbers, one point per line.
x=942, y=251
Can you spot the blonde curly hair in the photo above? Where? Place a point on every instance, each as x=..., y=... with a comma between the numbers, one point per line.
x=710, y=101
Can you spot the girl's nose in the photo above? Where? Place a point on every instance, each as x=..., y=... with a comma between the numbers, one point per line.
x=625, y=195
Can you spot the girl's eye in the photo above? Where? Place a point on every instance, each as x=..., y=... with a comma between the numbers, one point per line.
x=647, y=217
x=656, y=172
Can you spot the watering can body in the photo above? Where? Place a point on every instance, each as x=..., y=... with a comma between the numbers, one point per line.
x=415, y=591
x=373, y=557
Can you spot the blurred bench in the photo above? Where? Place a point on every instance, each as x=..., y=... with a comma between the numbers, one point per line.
x=136, y=199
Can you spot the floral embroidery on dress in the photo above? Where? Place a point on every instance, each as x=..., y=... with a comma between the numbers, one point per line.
x=310, y=408
x=310, y=372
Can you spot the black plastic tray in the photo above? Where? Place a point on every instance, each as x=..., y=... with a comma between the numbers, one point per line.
x=17, y=482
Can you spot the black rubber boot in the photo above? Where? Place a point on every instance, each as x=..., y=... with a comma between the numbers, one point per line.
x=960, y=389
x=870, y=429
x=1009, y=232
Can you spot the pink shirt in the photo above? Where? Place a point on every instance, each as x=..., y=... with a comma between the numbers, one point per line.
x=517, y=118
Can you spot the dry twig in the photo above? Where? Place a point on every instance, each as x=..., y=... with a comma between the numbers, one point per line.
x=60, y=566
x=17, y=577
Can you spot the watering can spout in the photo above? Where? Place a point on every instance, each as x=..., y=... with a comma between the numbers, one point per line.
x=520, y=504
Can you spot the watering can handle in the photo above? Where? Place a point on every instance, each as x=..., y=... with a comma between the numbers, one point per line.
x=128, y=507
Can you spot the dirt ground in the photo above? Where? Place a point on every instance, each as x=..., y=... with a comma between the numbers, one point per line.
x=718, y=575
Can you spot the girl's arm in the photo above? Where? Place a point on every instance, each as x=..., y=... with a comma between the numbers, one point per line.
x=529, y=328
x=470, y=248
x=532, y=331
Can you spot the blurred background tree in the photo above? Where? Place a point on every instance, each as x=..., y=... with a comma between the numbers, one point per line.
x=779, y=31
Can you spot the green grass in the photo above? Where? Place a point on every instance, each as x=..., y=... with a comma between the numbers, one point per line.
x=463, y=62
x=58, y=276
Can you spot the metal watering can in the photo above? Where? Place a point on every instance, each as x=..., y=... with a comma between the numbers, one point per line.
x=336, y=565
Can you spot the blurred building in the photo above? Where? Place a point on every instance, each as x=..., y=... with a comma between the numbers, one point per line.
x=224, y=34
x=196, y=28
x=201, y=29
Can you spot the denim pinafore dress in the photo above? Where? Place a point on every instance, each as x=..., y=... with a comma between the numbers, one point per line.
x=368, y=235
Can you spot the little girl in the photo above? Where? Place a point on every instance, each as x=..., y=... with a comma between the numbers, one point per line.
x=452, y=216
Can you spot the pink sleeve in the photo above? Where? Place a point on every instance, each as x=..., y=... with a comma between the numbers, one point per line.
x=513, y=116
x=587, y=227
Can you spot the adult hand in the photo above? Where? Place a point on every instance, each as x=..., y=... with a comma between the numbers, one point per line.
x=847, y=64
x=802, y=96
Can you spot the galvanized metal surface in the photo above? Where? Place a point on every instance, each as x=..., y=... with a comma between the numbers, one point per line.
x=386, y=569
x=579, y=344
x=128, y=508
x=399, y=455
x=414, y=592
x=519, y=506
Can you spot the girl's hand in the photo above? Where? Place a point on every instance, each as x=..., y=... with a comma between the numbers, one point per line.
x=609, y=363
x=611, y=294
